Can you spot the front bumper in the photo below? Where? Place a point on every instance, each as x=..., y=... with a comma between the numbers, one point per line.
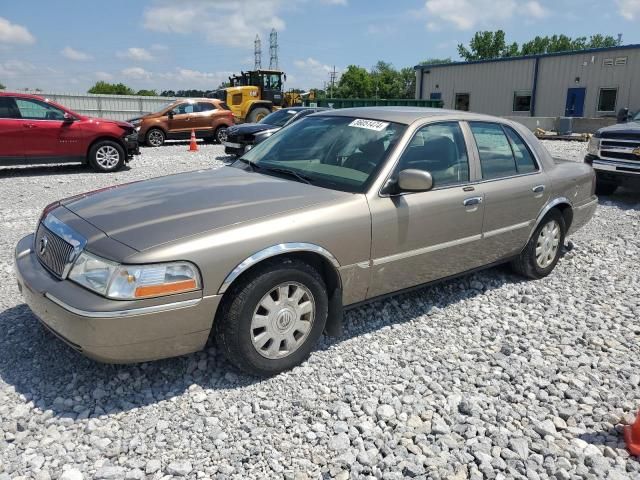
x=108, y=330
x=132, y=145
x=235, y=147
x=621, y=172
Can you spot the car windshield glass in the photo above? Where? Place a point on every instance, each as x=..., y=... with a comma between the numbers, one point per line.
x=637, y=117
x=342, y=153
x=278, y=118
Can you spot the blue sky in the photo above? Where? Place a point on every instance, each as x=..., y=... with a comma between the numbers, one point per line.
x=66, y=45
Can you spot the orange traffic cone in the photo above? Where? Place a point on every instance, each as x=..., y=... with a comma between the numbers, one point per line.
x=632, y=437
x=193, y=145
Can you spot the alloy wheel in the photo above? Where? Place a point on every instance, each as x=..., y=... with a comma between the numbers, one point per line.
x=282, y=320
x=222, y=135
x=107, y=157
x=156, y=138
x=548, y=244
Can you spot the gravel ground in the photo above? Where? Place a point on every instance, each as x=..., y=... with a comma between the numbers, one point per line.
x=487, y=376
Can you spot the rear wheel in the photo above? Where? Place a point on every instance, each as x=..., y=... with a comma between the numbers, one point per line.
x=272, y=319
x=155, y=137
x=605, y=188
x=542, y=253
x=221, y=134
x=106, y=156
x=257, y=114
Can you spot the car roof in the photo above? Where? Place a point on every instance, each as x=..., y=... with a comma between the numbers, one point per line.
x=406, y=115
x=300, y=109
x=21, y=94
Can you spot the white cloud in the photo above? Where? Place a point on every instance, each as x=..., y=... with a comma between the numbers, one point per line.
x=15, y=34
x=103, y=76
x=223, y=22
x=137, y=54
x=629, y=9
x=335, y=2
x=310, y=73
x=76, y=55
x=136, y=73
x=535, y=10
x=16, y=68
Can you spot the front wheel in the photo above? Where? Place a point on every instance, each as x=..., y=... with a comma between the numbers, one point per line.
x=106, y=156
x=155, y=137
x=272, y=319
x=542, y=253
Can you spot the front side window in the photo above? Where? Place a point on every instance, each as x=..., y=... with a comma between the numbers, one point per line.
x=205, y=106
x=183, y=108
x=342, y=153
x=522, y=101
x=440, y=150
x=496, y=157
x=37, y=110
x=607, y=99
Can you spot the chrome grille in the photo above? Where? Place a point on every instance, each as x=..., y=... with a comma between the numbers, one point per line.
x=52, y=251
x=620, y=149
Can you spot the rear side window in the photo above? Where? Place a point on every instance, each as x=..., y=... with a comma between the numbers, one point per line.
x=524, y=159
x=8, y=108
x=205, y=106
x=496, y=156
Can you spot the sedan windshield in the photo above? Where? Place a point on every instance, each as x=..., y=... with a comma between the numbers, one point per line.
x=342, y=153
x=278, y=118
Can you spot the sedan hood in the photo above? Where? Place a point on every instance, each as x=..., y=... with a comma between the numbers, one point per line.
x=149, y=213
x=249, y=128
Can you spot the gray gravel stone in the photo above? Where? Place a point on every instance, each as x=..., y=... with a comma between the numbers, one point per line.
x=484, y=376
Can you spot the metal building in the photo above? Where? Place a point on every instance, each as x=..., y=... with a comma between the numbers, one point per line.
x=587, y=83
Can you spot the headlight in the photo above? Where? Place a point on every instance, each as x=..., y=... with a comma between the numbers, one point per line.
x=130, y=282
x=135, y=122
x=594, y=146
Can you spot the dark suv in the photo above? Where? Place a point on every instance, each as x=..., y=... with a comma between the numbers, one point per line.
x=34, y=130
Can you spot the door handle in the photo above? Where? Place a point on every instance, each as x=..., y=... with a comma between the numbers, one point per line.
x=472, y=201
x=538, y=189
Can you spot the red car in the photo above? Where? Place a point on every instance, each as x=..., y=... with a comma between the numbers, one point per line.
x=34, y=130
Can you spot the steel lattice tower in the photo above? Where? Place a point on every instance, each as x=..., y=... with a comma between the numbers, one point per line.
x=273, y=50
x=257, y=49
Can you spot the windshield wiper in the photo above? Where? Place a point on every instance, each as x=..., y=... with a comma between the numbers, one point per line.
x=286, y=171
x=254, y=166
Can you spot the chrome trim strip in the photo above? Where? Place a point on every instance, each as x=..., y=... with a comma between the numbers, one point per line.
x=23, y=253
x=500, y=231
x=69, y=235
x=124, y=313
x=429, y=249
x=556, y=201
x=612, y=166
x=272, y=252
x=589, y=204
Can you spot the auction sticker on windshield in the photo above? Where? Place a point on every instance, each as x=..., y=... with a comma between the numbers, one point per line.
x=369, y=124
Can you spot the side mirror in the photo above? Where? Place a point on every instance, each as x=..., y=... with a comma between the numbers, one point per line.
x=67, y=117
x=412, y=180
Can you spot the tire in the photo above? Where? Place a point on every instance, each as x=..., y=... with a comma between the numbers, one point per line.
x=257, y=114
x=264, y=341
x=528, y=263
x=605, y=188
x=220, y=134
x=106, y=156
x=155, y=137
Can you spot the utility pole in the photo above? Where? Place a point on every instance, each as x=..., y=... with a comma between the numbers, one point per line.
x=273, y=50
x=332, y=81
x=257, y=53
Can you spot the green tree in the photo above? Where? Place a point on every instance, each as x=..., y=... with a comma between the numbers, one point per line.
x=488, y=44
x=562, y=43
x=2, y=87
x=355, y=82
x=111, y=88
x=408, y=77
x=387, y=81
x=147, y=93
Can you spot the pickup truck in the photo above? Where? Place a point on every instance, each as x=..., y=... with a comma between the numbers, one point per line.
x=614, y=153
